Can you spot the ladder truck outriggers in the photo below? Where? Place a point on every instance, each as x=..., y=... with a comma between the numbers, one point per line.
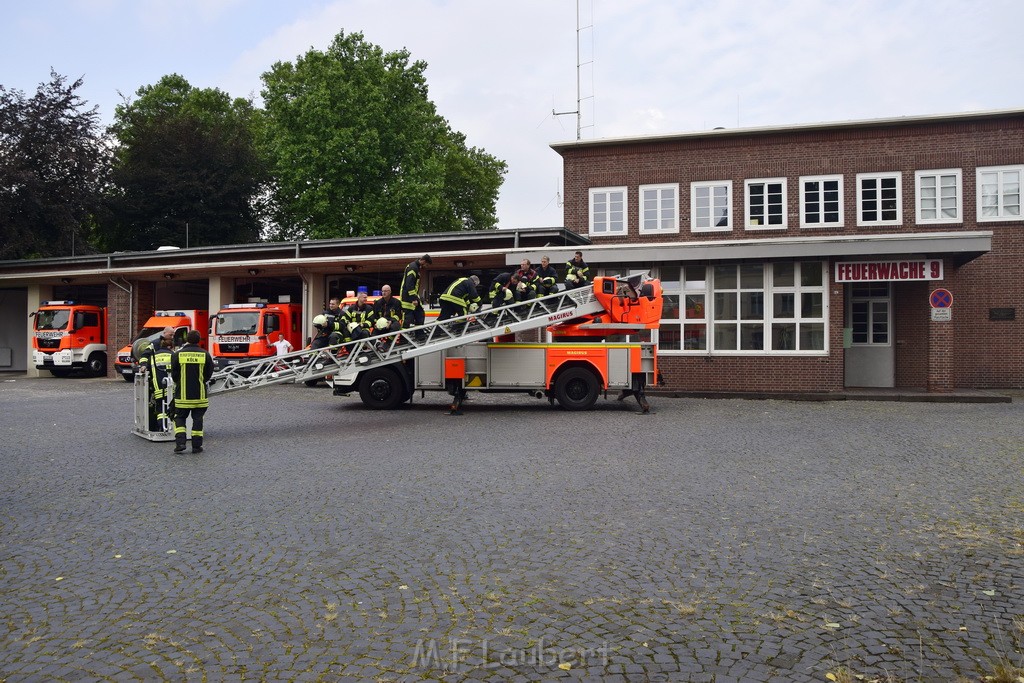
x=599, y=341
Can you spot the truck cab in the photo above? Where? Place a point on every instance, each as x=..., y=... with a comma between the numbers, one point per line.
x=181, y=320
x=69, y=336
x=244, y=332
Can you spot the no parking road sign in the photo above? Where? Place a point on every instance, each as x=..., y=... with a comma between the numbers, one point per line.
x=941, y=298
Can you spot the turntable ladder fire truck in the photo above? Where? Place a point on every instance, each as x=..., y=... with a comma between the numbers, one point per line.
x=591, y=352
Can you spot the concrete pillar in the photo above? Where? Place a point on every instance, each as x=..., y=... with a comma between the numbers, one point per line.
x=36, y=295
x=314, y=299
x=221, y=292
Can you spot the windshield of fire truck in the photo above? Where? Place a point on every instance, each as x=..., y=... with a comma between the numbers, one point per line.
x=53, y=320
x=242, y=322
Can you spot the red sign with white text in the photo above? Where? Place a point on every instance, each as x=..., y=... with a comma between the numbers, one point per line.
x=885, y=271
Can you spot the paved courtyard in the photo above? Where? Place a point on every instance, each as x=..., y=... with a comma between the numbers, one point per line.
x=712, y=540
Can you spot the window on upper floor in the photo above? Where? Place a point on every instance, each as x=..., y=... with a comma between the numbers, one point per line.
x=879, y=200
x=766, y=204
x=999, y=193
x=821, y=201
x=939, y=196
x=710, y=206
x=659, y=209
x=607, y=211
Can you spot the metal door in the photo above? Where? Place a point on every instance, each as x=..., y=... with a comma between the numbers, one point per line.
x=870, y=356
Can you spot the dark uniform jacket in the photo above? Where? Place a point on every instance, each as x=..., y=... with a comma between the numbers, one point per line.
x=388, y=308
x=191, y=368
x=363, y=317
x=411, y=286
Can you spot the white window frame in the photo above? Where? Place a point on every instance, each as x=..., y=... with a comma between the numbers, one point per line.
x=1004, y=191
x=804, y=180
x=665, y=219
x=707, y=317
x=695, y=189
x=764, y=183
x=615, y=228
x=921, y=201
x=898, y=177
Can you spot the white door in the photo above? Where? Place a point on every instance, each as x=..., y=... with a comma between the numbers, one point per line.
x=870, y=358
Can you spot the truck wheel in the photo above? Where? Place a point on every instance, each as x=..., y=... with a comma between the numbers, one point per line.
x=60, y=372
x=97, y=364
x=577, y=389
x=381, y=388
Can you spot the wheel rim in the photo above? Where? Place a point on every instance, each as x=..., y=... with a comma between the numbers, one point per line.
x=577, y=390
x=380, y=390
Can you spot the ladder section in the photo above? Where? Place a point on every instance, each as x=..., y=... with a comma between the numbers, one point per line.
x=311, y=364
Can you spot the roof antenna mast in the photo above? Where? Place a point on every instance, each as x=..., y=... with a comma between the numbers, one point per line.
x=579, y=65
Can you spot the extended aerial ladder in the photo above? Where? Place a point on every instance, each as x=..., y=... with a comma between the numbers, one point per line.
x=375, y=351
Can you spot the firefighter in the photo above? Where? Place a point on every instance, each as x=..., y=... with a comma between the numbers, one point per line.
x=157, y=361
x=357, y=322
x=413, y=314
x=191, y=368
x=502, y=290
x=333, y=314
x=387, y=312
x=577, y=272
x=528, y=281
x=327, y=332
x=547, y=276
x=460, y=298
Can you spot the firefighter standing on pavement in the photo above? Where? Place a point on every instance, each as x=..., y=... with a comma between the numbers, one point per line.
x=191, y=368
x=460, y=298
x=413, y=309
x=158, y=362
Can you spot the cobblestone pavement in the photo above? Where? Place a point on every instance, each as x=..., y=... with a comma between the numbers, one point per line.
x=315, y=540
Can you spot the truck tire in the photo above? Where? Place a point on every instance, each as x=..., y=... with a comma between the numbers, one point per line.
x=381, y=388
x=577, y=389
x=96, y=366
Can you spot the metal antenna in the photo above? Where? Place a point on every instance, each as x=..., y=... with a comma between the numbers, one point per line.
x=579, y=65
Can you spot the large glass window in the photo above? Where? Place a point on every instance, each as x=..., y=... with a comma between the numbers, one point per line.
x=745, y=308
x=766, y=204
x=659, y=208
x=879, y=200
x=607, y=211
x=939, y=196
x=821, y=201
x=999, y=193
x=710, y=206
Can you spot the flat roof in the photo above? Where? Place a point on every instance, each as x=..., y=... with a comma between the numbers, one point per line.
x=792, y=128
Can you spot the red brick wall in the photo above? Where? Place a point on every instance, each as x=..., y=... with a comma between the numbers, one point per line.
x=969, y=352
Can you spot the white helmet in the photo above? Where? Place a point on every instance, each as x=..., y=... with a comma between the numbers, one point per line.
x=571, y=277
x=352, y=326
x=522, y=286
x=473, y=306
x=320, y=321
x=382, y=323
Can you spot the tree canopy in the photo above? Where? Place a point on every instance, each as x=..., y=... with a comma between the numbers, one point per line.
x=355, y=147
x=53, y=167
x=186, y=170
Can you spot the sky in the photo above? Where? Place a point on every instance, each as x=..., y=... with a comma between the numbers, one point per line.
x=498, y=70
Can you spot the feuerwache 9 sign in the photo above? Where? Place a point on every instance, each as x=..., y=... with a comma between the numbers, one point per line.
x=884, y=271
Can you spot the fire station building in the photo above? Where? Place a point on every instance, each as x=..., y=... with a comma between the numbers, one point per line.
x=881, y=253
x=811, y=258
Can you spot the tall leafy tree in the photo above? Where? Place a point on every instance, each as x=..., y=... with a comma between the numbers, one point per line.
x=53, y=167
x=186, y=170
x=355, y=147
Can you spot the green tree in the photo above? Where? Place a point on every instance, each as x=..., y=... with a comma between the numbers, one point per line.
x=186, y=169
x=355, y=147
x=53, y=167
